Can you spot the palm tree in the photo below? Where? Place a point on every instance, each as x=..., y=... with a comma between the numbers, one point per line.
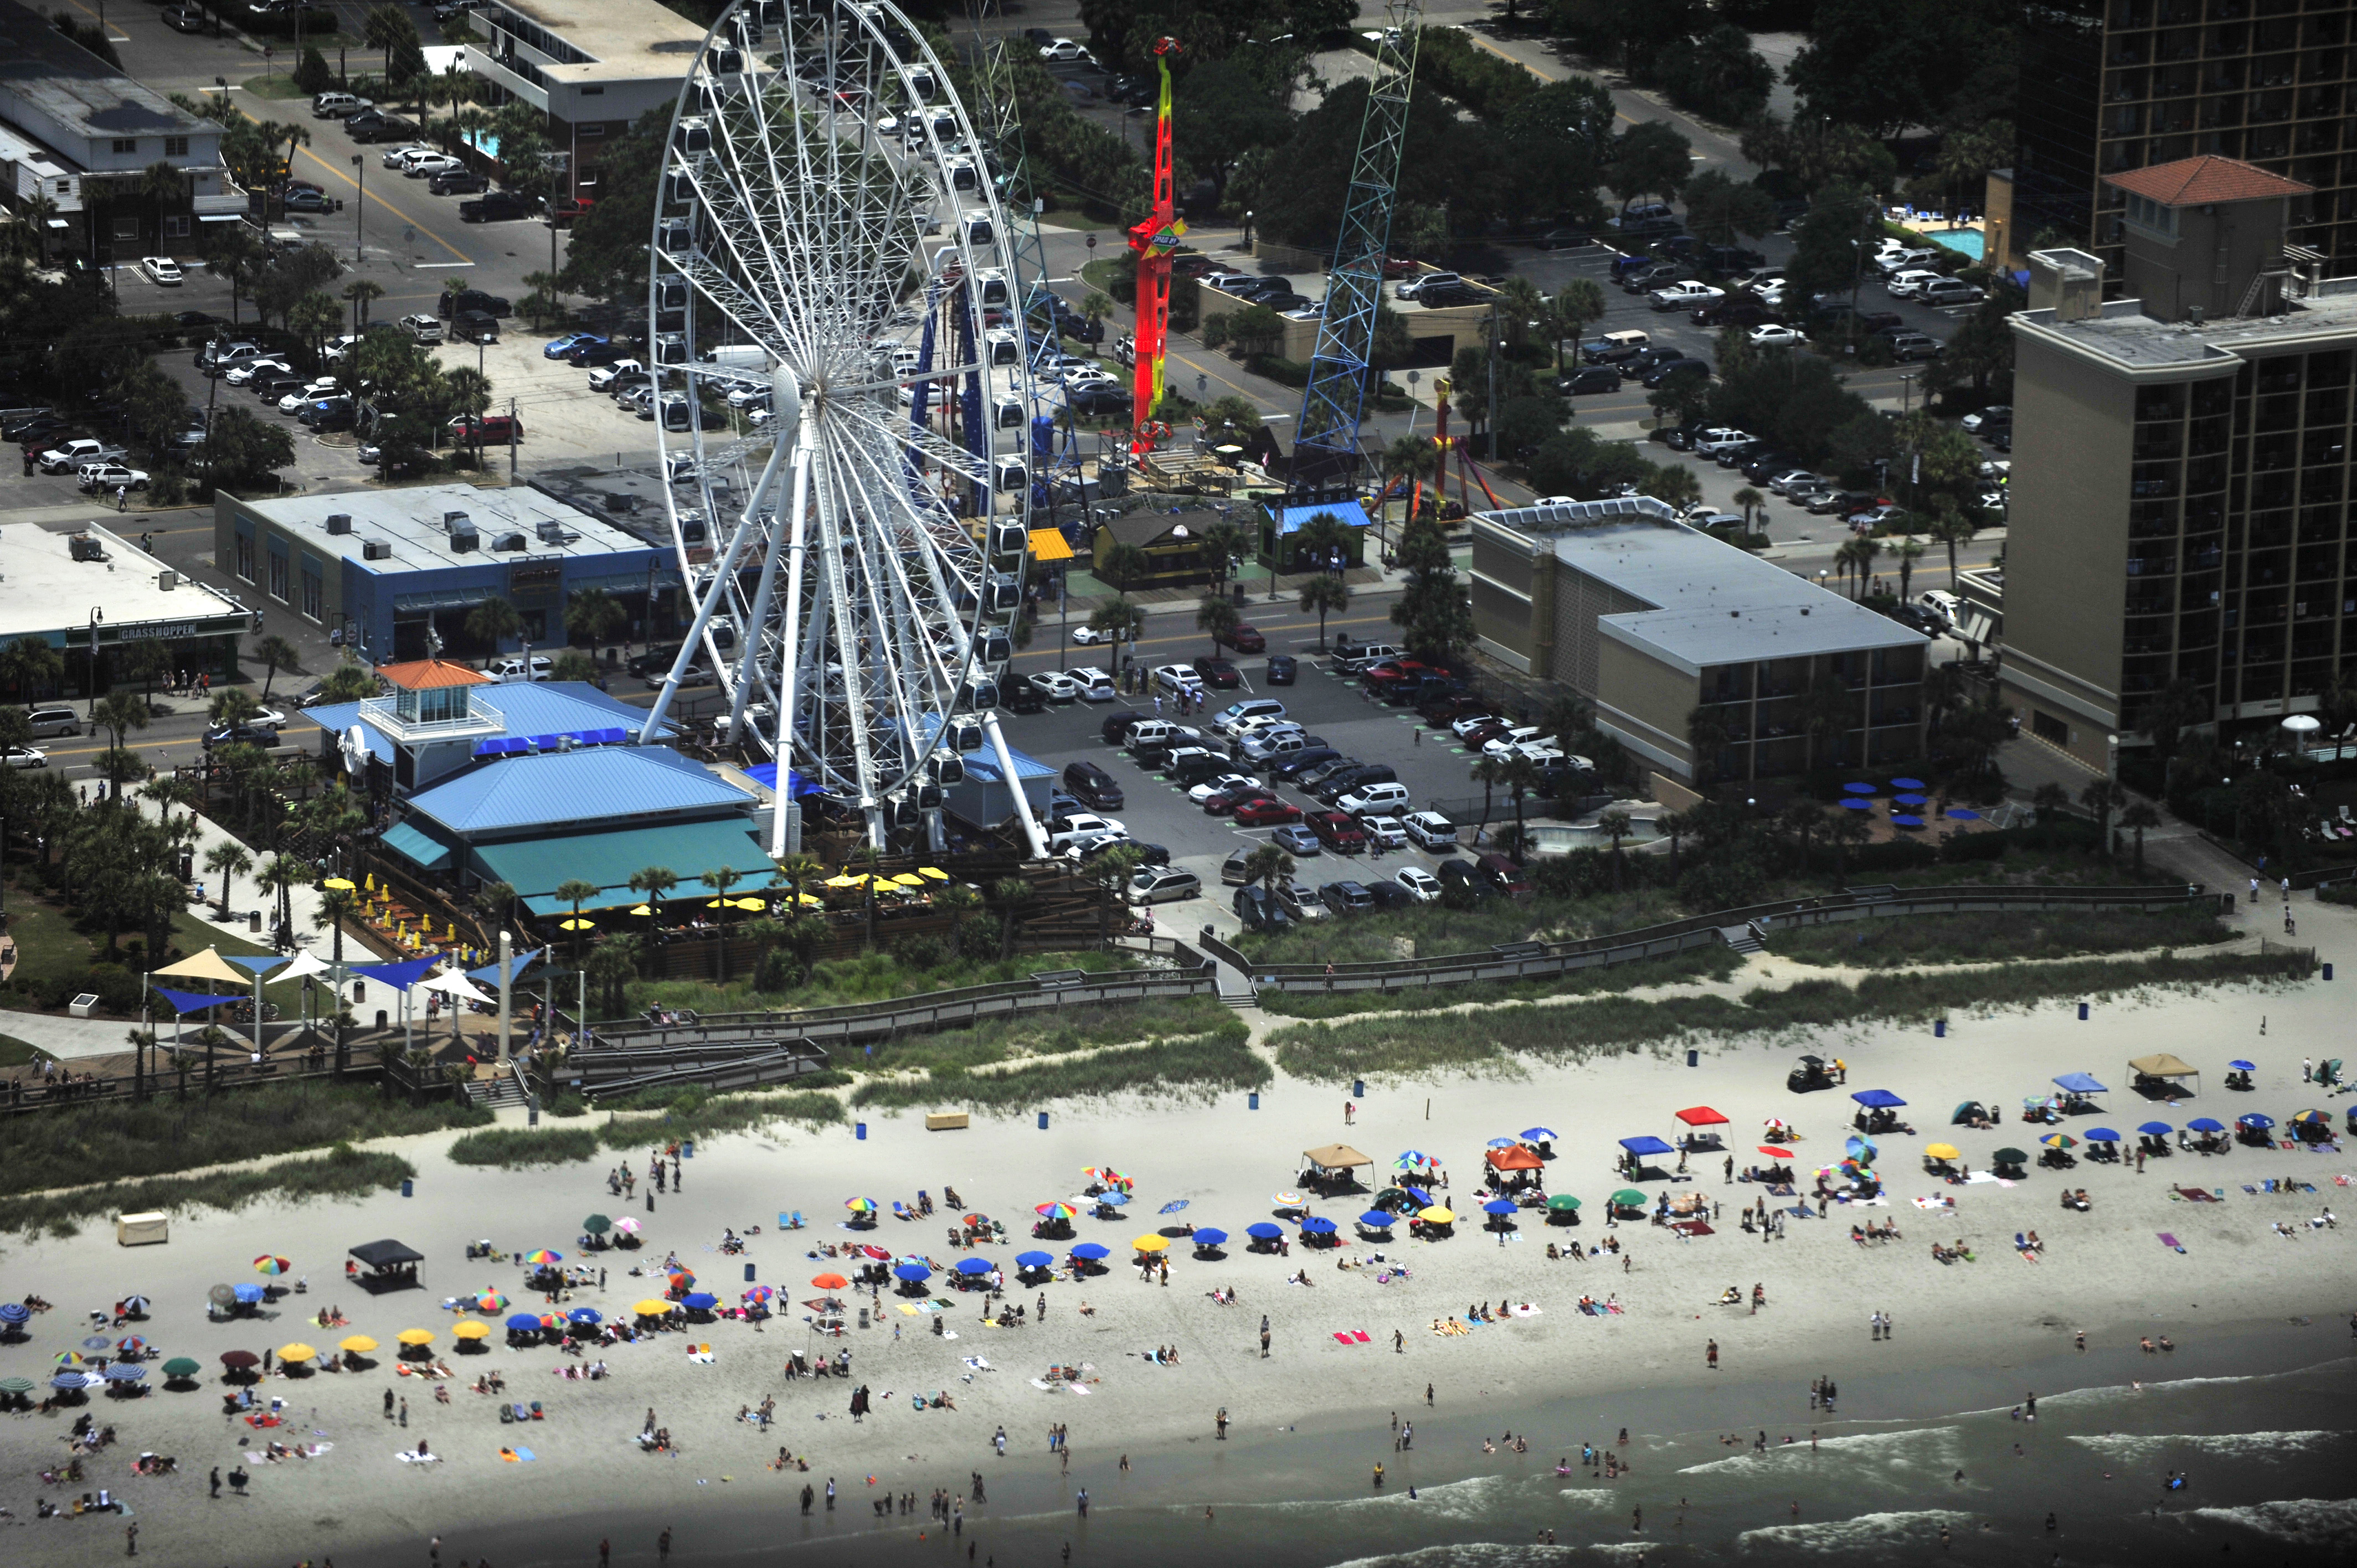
x=1907, y=552
x=1676, y=825
x=1268, y=865
x=1410, y=457
x=1318, y=541
x=2139, y=815
x=575, y=892
x=280, y=873
x=799, y=872
x=1322, y=596
x=230, y=861
x=1125, y=566
x=2101, y=797
x=235, y=256
x=493, y=621
x=1749, y=500
x=720, y=879
x=593, y=616
x=1110, y=869
x=118, y=713
x=1846, y=831
x=1519, y=776
x=388, y=28
x=495, y=902
x=1801, y=819
x=362, y=292
x=1217, y=616
x=1829, y=714
x=1488, y=772
x=1575, y=303
x=1707, y=733
x=958, y=903
x=866, y=860
x=1616, y=824
x=275, y=654
x=469, y=392
x=1121, y=619
x=1950, y=525
x=653, y=884
x=1011, y=893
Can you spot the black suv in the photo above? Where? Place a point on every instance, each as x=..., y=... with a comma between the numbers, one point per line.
x=459, y=182
x=1094, y=787
x=1594, y=378
x=496, y=207
x=473, y=299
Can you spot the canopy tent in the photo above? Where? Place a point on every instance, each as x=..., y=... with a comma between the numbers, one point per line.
x=186, y=1001
x=1514, y=1157
x=2080, y=1083
x=1878, y=1099
x=305, y=965
x=1700, y=1116
x=1647, y=1144
x=206, y=965
x=1336, y=1158
x=455, y=984
x=536, y=867
x=2162, y=1065
x=389, y=1263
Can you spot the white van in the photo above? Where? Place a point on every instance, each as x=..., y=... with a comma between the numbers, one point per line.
x=511, y=668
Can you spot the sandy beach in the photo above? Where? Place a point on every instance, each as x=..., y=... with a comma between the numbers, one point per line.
x=1556, y=1376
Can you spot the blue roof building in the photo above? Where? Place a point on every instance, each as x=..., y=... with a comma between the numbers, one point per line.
x=425, y=733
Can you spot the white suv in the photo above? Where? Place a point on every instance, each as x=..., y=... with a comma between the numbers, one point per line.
x=1911, y=282
x=1429, y=830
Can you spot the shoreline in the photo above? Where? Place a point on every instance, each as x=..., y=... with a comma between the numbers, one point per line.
x=1962, y=1330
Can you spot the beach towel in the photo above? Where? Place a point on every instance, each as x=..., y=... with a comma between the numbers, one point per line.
x=410, y=1457
x=518, y=1456
x=1934, y=1203
x=1781, y=1189
x=979, y=1364
x=1526, y=1310
x=1340, y=1339
x=2195, y=1194
x=2172, y=1242
x=1361, y=1336
x=1694, y=1228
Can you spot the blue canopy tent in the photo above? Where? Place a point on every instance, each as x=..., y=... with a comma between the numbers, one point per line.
x=1647, y=1144
x=2080, y=1083
x=1878, y=1099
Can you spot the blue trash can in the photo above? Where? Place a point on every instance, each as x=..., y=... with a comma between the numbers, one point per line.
x=1359, y=1085
x=860, y=1130
x=1252, y=1101
x=1693, y=1058
x=2327, y=971
x=1043, y=1121
x=687, y=1149
x=408, y=1188
x=1940, y=1028
x=2082, y=1011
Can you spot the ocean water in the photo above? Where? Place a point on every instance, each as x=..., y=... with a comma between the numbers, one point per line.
x=2269, y=1456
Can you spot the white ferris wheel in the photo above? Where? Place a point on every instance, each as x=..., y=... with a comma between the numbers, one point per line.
x=829, y=246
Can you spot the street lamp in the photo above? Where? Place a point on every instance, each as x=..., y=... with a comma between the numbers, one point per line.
x=359, y=210
x=91, y=674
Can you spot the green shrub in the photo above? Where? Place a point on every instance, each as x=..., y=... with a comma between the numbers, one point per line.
x=345, y=1172
x=520, y=1148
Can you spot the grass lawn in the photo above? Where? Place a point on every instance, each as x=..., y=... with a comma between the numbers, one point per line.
x=15, y=1052
x=277, y=85
x=1980, y=938
x=48, y=946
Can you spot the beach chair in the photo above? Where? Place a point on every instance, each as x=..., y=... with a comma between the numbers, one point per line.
x=535, y=1410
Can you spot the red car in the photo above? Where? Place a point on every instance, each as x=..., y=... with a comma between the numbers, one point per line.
x=1243, y=639
x=565, y=209
x=1338, y=832
x=1267, y=813
x=1390, y=669
x=1475, y=740
x=1225, y=805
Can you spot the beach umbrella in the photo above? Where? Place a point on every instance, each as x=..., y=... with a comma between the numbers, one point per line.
x=297, y=1352
x=2244, y=1067
x=491, y=1301
x=1562, y=1203
x=759, y=1294
x=701, y=1301
x=1856, y=804
x=239, y=1360
x=1034, y=1259
x=2156, y=1129
x=1944, y=1152
x=652, y=1308
x=860, y=1204
x=1540, y=1134
x=1422, y=1199
x=67, y=1358
x=1906, y=819
x=585, y=1315
x=1878, y=1099
x=1910, y=800
x=1377, y=1219
x=266, y=1264
x=524, y=1323
x=1210, y=1236
x=130, y=1345
x=1150, y=1243
x=2009, y=1157
x=1504, y=1142
x=975, y=1265
x=2101, y=1135
x=1114, y=1199
x=1629, y=1198
x=1908, y=783
x=1091, y=1251
x=2256, y=1121
x=415, y=1336
x=361, y=1344
x=626, y=1226
x=15, y=1311
x=2205, y=1124
x=2312, y=1119
x=544, y=1258
x=1499, y=1206
x=1285, y=1199
x=1058, y=1210
x=915, y=1274
x=248, y=1293
x=1437, y=1216
x=977, y=1222
x=1174, y=1206
x=597, y=1225
x=1262, y=1230
x=70, y=1380
x=829, y=1281
x=1317, y=1225
x=124, y=1372
x=1413, y=1160
x=1860, y=788
x=2058, y=1141
x=177, y=1367
x=1860, y=1148
x=98, y=1342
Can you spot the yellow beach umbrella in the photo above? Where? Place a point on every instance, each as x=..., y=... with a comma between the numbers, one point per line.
x=576, y=925
x=1944, y=1152
x=1436, y=1215
x=470, y=1329
x=371, y=881
x=415, y=1336
x=359, y=1345
x=296, y=1353
x=1151, y=1243
x=652, y=1308
x=932, y=874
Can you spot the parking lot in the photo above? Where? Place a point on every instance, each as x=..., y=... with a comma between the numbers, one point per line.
x=1156, y=810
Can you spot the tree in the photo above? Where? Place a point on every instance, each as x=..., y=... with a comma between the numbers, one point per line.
x=1111, y=870
x=1119, y=617
x=1094, y=308
x=361, y=293
x=1559, y=133
x=312, y=72
x=1011, y=893
x=1525, y=423
x=1433, y=611
x=606, y=255
x=1649, y=158
x=1321, y=596
x=2175, y=709
x=119, y=713
x=32, y=668
x=1216, y=614
x=470, y=395
x=1255, y=329
x=1828, y=253
x=720, y=879
x=1828, y=711
x=1570, y=309
x=1124, y=566
x=653, y=884
x=388, y=28
x=494, y=621
x=1907, y=552
x=958, y=903
x=1846, y=831
x=1675, y=484
x=1750, y=500
x=593, y=616
x=543, y=301
x=1881, y=65
x=1683, y=397
x=1950, y=525
x=1719, y=210
x=1708, y=735
x=239, y=449
x=2138, y=815
x=235, y=256
x=1319, y=540
x=575, y=892
x=314, y=319
x=351, y=682
x=155, y=405
x=275, y=655
x=228, y=861
x=1616, y=824
x=1268, y=865
x=1720, y=73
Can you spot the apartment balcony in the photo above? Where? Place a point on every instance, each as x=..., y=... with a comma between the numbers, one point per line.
x=383, y=714
x=517, y=74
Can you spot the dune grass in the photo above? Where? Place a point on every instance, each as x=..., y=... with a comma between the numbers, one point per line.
x=1986, y=937
x=1500, y=1040
x=44, y=1148
x=1194, y=1067
x=343, y=1172
x=1696, y=964
x=869, y=977
x=522, y=1148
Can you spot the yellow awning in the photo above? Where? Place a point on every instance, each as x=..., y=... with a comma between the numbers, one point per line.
x=1048, y=545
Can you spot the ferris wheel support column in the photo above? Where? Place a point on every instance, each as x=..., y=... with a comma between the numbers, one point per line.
x=714, y=594
x=789, y=641
x=785, y=397
x=1015, y=787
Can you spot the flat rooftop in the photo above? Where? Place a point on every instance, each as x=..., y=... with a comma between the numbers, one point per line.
x=48, y=71
x=44, y=591
x=622, y=39
x=2125, y=336
x=411, y=522
x=1711, y=603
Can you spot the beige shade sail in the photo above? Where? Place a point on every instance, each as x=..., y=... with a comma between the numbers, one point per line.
x=1336, y=1158
x=208, y=966
x=2163, y=1065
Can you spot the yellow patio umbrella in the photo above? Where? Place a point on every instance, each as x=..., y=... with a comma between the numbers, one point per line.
x=454, y=933
x=415, y=1336
x=297, y=1353
x=751, y=904
x=1436, y=1215
x=578, y=924
x=1151, y=1243
x=643, y=909
x=932, y=874
x=339, y=884
x=371, y=881
x=1944, y=1152
x=846, y=879
x=470, y=1329
x=359, y=1345
x=909, y=879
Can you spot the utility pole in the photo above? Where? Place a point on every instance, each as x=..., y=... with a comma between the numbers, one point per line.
x=359, y=218
x=1496, y=347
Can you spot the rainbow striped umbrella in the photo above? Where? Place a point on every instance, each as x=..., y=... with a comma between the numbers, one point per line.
x=2058, y=1141
x=544, y=1257
x=491, y=1301
x=1057, y=1210
x=860, y=1204
x=270, y=1265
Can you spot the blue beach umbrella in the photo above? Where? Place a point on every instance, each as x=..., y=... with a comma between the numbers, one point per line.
x=70, y=1380
x=2156, y=1129
x=1317, y=1225
x=1906, y=819
x=1422, y=1196
x=915, y=1274
x=702, y=1301
x=1034, y=1259
x=2259, y=1120
x=1505, y=1143
x=2205, y=1124
x=1911, y=800
x=524, y=1322
x=2100, y=1135
x=1964, y=814
x=1210, y=1236
x=1174, y=1206
x=1540, y=1134
x=1377, y=1219
x=1265, y=1230
x=1856, y=804
x=586, y=1315
x=1089, y=1252
x=1113, y=1199
x=975, y=1265
x=1498, y=1206
x=1861, y=788
x=248, y=1292
x=2244, y=1066
x=124, y=1372
x=1907, y=783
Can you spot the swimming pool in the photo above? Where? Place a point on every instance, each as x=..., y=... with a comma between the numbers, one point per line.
x=1968, y=241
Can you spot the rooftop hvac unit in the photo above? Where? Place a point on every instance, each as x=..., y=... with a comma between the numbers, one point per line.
x=509, y=541
x=552, y=532
x=452, y=521
x=375, y=550
x=339, y=523
x=464, y=539
x=85, y=548
x=167, y=579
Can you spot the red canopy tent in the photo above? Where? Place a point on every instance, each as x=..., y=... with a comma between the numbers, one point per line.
x=1700, y=1116
x=1517, y=1158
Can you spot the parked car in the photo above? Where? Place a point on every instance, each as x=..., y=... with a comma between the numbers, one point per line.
x=1218, y=673
x=1092, y=786
x=1950, y=291
x=1267, y=812
x=1174, y=678
x=1685, y=294
x=1164, y=885
x=1260, y=911
x=419, y=166
x=1243, y=637
x=336, y=105
x=1346, y=898
x=1661, y=373
x=474, y=299
x=53, y=723
x=1296, y=840
x=425, y=328
x=1055, y=685
x=185, y=19
x=1773, y=334
x=1592, y=379
x=1283, y=669
x=162, y=271
x=1916, y=346
x=495, y=207
x=459, y=182
x=1378, y=797
x=104, y=478
x=613, y=377
x=67, y=456
x=494, y=429
x=25, y=756
x=1337, y=832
